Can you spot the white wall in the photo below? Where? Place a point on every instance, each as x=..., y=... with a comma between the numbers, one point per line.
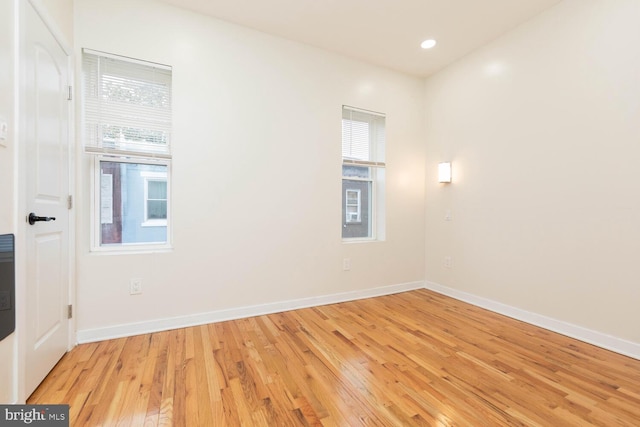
x=256, y=171
x=542, y=127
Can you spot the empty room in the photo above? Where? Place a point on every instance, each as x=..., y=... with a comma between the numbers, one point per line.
x=299, y=212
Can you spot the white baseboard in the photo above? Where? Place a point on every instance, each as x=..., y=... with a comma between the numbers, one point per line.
x=618, y=345
x=130, y=329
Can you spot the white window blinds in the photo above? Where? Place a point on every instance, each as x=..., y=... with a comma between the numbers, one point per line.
x=363, y=136
x=127, y=106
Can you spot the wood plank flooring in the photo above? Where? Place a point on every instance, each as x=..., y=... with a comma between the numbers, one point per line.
x=415, y=358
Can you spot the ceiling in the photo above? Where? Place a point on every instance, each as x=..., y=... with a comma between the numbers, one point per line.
x=382, y=32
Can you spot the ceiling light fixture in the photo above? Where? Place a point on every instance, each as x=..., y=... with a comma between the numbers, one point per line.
x=428, y=44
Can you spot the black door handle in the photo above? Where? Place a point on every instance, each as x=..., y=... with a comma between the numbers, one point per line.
x=33, y=218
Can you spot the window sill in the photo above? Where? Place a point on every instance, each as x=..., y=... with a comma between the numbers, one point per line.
x=154, y=223
x=131, y=249
x=361, y=240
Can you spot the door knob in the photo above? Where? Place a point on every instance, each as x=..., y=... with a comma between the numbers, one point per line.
x=33, y=218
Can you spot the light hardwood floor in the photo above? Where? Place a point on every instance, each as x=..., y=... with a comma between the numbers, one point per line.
x=415, y=358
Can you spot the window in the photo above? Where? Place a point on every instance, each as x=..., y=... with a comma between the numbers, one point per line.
x=127, y=128
x=155, y=200
x=353, y=206
x=133, y=203
x=363, y=148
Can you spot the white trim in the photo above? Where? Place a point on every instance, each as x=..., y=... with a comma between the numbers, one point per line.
x=126, y=58
x=129, y=329
x=154, y=223
x=154, y=175
x=367, y=163
x=599, y=339
x=350, y=240
x=114, y=152
x=362, y=110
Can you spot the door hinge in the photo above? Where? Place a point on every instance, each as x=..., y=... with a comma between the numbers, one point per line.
x=69, y=202
x=69, y=311
x=70, y=93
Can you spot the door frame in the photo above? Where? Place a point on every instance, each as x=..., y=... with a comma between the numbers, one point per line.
x=21, y=206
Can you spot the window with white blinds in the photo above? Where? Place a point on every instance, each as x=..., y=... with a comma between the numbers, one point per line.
x=126, y=121
x=363, y=136
x=363, y=174
x=127, y=106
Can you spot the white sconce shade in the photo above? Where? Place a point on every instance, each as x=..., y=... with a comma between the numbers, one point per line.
x=444, y=172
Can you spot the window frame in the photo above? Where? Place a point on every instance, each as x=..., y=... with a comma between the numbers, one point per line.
x=96, y=238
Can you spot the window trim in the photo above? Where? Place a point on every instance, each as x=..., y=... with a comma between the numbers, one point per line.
x=95, y=215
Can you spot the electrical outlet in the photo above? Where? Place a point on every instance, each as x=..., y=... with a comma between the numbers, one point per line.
x=346, y=264
x=135, y=286
x=448, y=262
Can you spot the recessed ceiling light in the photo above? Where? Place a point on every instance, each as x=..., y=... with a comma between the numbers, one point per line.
x=428, y=44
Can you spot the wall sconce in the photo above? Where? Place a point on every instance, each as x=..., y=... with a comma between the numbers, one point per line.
x=444, y=172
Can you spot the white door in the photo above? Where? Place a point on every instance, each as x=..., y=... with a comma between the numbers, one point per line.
x=46, y=139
